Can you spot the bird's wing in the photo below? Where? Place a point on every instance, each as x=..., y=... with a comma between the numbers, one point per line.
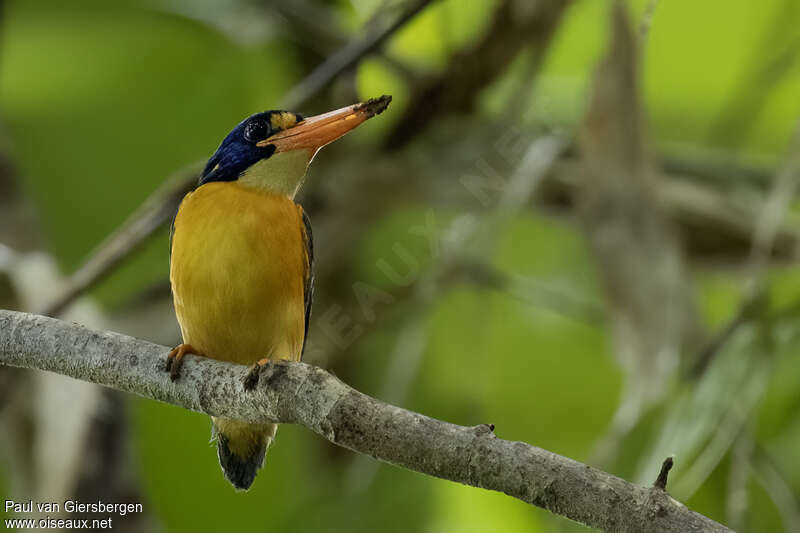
x=172, y=232
x=172, y=224
x=308, y=274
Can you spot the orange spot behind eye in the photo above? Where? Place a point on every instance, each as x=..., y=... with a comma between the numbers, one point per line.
x=283, y=121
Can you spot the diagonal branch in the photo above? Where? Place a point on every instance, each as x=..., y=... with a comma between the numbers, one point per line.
x=347, y=57
x=129, y=237
x=514, y=26
x=300, y=393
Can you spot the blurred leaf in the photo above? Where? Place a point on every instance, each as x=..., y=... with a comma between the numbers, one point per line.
x=761, y=510
x=704, y=419
x=782, y=448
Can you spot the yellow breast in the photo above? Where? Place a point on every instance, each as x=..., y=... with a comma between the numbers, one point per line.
x=237, y=273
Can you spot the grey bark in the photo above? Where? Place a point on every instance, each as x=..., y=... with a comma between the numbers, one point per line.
x=307, y=395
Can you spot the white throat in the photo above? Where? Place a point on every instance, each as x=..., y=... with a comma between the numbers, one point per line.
x=282, y=173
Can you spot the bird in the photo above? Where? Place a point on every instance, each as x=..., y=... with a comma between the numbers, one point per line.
x=241, y=260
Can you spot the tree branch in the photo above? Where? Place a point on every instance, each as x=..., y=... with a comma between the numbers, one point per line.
x=130, y=236
x=515, y=25
x=347, y=57
x=300, y=393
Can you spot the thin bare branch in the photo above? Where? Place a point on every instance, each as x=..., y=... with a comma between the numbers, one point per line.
x=661, y=480
x=515, y=26
x=347, y=57
x=300, y=393
x=154, y=213
x=313, y=25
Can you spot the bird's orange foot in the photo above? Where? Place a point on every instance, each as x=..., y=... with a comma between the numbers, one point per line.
x=251, y=379
x=175, y=359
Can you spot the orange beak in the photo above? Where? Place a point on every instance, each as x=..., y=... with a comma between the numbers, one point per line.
x=315, y=132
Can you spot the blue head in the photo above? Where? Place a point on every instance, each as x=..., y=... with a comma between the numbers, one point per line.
x=239, y=150
x=271, y=150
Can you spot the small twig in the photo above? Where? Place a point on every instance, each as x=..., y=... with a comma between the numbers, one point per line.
x=661, y=480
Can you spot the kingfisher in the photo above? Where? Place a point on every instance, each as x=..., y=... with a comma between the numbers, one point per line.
x=241, y=259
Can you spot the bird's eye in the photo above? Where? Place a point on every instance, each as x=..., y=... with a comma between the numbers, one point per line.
x=257, y=130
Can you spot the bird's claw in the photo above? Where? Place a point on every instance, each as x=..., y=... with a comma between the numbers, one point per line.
x=252, y=377
x=175, y=360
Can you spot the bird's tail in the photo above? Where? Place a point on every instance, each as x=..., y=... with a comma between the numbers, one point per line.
x=241, y=449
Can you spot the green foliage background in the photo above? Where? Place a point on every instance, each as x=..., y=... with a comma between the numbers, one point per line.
x=102, y=100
